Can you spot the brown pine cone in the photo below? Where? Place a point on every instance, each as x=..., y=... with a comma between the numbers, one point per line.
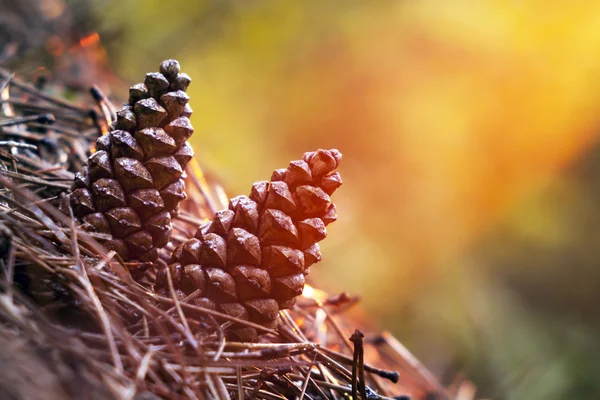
x=250, y=260
x=132, y=184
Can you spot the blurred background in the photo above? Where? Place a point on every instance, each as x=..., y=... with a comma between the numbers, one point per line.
x=470, y=214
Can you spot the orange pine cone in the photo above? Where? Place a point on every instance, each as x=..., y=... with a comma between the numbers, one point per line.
x=250, y=260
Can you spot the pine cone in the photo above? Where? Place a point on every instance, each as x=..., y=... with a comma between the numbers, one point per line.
x=133, y=183
x=250, y=260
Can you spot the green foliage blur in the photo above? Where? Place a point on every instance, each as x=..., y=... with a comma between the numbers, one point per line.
x=468, y=221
